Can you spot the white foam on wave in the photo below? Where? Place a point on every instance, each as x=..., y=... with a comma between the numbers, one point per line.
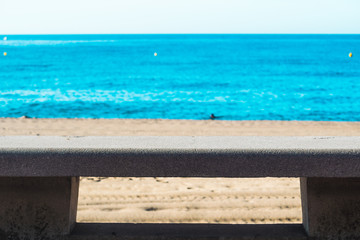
x=119, y=96
x=49, y=42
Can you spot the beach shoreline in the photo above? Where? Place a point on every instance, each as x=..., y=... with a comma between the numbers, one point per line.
x=164, y=127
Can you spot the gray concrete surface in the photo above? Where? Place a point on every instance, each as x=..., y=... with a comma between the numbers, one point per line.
x=39, y=179
x=114, y=231
x=37, y=208
x=180, y=156
x=331, y=207
x=180, y=142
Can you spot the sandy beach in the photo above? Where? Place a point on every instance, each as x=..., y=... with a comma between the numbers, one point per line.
x=186, y=200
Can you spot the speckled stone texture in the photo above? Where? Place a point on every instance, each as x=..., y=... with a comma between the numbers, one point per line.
x=331, y=207
x=180, y=156
x=39, y=177
x=37, y=207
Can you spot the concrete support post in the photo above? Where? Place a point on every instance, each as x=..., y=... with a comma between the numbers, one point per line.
x=37, y=207
x=331, y=207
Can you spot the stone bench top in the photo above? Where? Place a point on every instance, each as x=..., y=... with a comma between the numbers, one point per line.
x=180, y=156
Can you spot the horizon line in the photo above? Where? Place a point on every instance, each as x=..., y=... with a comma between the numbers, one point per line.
x=14, y=34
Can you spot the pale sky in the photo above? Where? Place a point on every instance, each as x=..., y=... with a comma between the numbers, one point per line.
x=178, y=16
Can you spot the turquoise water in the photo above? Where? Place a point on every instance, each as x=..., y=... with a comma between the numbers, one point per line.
x=237, y=77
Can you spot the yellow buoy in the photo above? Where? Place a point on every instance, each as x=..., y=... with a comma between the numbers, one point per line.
x=350, y=54
x=5, y=38
x=5, y=53
x=155, y=54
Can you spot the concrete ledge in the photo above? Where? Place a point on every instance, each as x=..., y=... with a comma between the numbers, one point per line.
x=180, y=156
x=188, y=231
x=37, y=207
x=331, y=207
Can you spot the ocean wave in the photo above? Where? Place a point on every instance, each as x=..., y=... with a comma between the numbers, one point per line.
x=239, y=77
x=23, y=43
x=119, y=96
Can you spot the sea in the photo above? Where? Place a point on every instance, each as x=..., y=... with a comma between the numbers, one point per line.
x=189, y=76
